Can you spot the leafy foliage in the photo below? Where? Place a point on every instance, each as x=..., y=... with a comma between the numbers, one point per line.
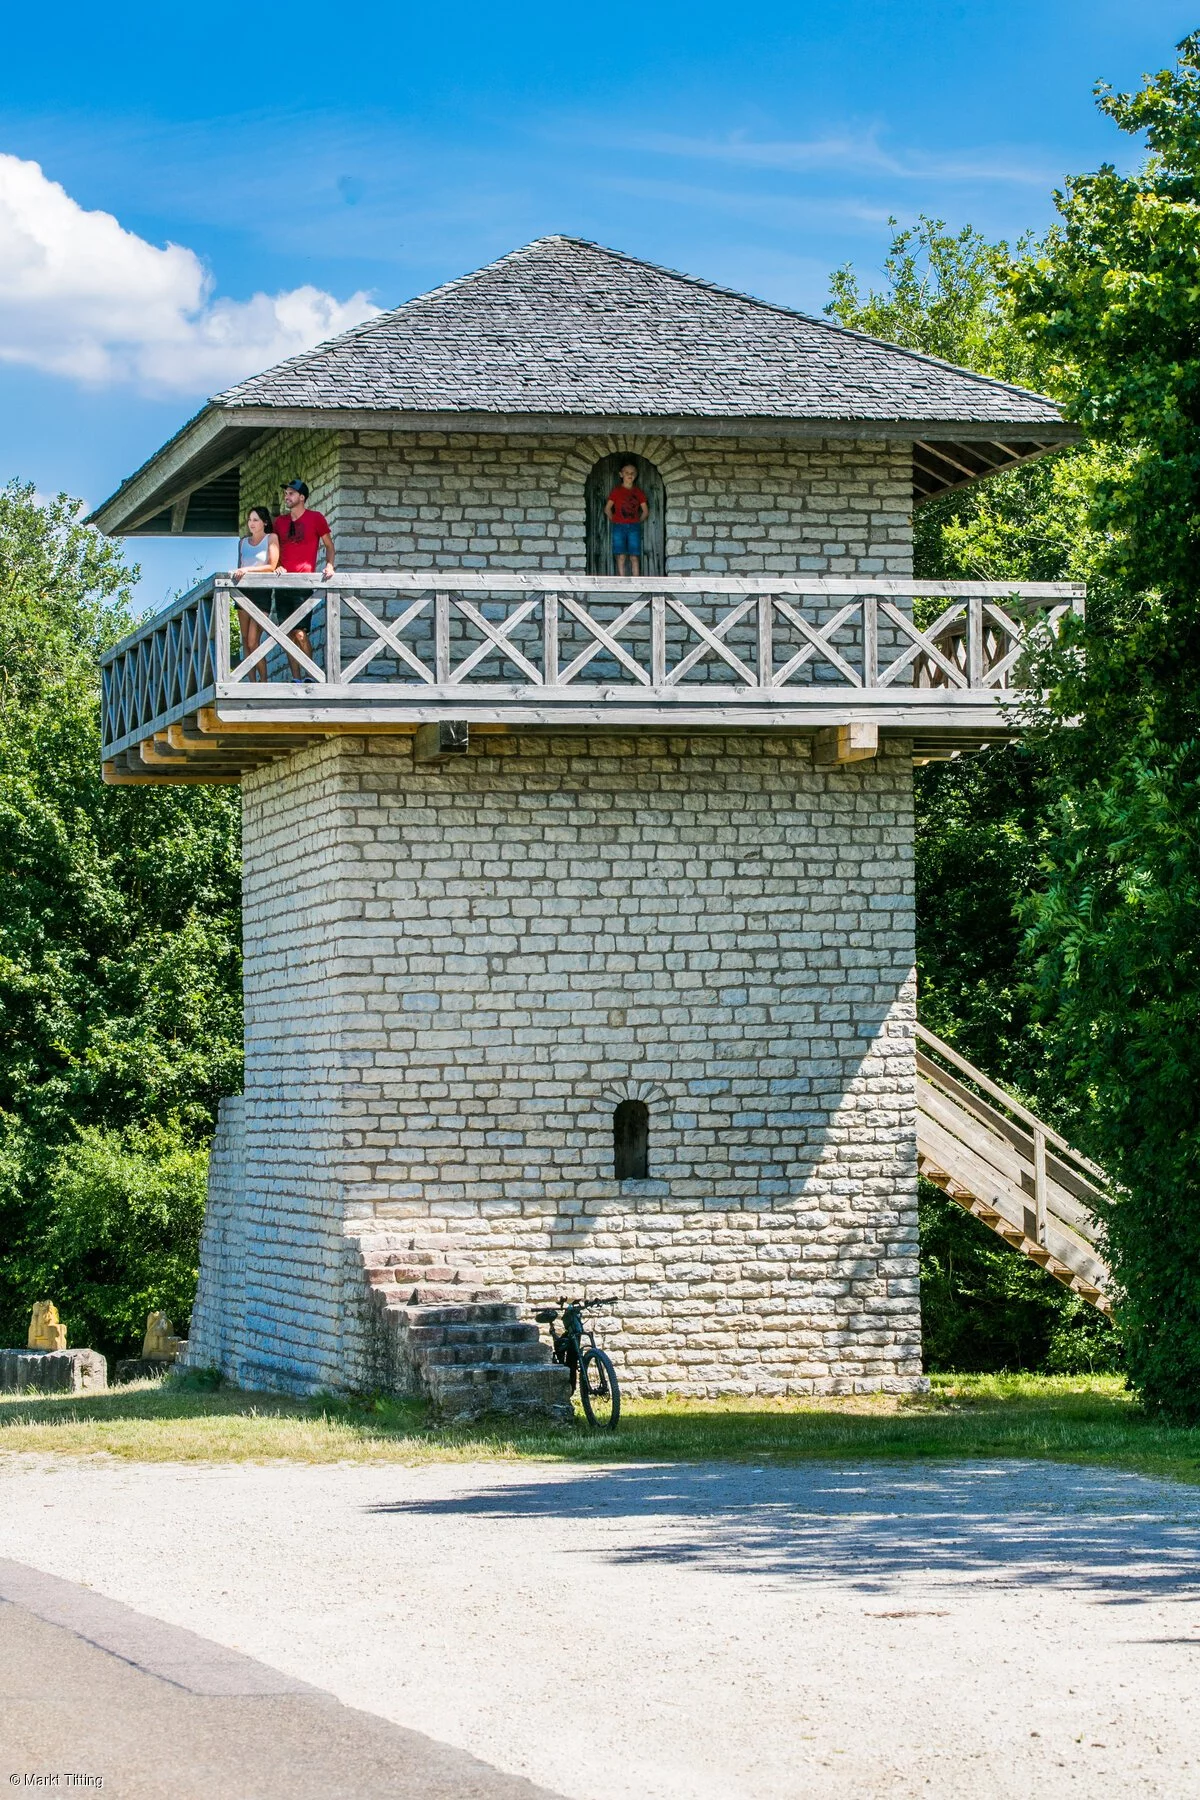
x=945, y=295
x=1112, y=295
x=985, y=1310
x=119, y=954
x=983, y=822
x=124, y=1225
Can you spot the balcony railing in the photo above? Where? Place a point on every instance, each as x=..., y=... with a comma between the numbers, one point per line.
x=505, y=647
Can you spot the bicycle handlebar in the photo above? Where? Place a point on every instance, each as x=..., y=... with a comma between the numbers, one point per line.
x=605, y=1300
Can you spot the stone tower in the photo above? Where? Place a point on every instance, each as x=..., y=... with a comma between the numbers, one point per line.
x=579, y=918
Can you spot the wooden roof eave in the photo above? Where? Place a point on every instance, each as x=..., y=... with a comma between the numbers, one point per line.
x=949, y=474
x=215, y=441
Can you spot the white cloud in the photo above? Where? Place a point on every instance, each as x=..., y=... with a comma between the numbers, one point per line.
x=80, y=296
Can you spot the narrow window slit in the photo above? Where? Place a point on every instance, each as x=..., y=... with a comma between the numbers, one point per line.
x=631, y=1141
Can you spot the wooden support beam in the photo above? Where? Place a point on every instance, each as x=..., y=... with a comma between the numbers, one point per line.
x=449, y=737
x=156, y=752
x=202, y=743
x=838, y=745
x=113, y=776
x=211, y=722
x=154, y=756
x=212, y=758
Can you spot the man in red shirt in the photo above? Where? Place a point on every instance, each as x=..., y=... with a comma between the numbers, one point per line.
x=627, y=510
x=301, y=533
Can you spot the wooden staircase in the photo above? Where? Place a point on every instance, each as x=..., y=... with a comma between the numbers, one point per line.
x=1011, y=1170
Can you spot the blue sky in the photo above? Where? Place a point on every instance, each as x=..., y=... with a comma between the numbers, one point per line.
x=324, y=162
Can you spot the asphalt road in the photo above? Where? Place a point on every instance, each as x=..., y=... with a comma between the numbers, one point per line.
x=95, y=1697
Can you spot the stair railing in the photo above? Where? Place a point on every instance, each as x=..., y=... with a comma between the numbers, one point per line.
x=1066, y=1184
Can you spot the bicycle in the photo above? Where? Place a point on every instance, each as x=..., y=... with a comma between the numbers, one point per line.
x=592, y=1368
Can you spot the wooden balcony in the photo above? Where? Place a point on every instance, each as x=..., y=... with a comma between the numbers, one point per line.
x=941, y=663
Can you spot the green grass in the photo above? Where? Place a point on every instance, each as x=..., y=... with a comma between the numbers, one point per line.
x=1081, y=1419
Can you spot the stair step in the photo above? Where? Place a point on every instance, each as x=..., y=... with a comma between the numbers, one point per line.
x=435, y=1293
x=428, y=1296
x=444, y=1356
x=467, y=1390
x=529, y=1378
x=513, y=1332
x=499, y=1312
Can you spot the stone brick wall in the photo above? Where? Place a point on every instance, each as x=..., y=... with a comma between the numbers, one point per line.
x=218, y=1317
x=315, y=456
x=734, y=506
x=456, y=972
x=295, y=830
x=463, y=500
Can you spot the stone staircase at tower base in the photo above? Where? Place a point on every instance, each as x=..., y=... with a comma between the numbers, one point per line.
x=464, y=1348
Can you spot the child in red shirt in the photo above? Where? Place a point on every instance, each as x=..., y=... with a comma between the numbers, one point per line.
x=627, y=510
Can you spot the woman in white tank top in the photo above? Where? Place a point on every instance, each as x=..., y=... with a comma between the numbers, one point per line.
x=259, y=549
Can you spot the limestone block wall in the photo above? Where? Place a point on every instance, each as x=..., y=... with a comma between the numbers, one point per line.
x=295, y=1329
x=315, y=456
x=734, y=506
x=455, y=973
x=218, y=1316
x=472, y=500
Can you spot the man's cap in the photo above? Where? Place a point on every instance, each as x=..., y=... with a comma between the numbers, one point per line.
x=301, y=487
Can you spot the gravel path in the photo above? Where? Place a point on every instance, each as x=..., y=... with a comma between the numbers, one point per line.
x=684, y=1632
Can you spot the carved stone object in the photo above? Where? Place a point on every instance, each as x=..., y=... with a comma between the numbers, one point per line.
x=160, y=1340
x=46, y=1332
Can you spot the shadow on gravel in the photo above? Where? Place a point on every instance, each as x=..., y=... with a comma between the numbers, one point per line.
x=1117, y=1537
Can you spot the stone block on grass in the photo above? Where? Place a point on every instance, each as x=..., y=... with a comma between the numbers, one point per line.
x=142, y=1368
x=52, y=1371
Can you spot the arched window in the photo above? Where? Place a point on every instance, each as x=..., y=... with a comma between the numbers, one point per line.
x=631, y=1141
x=600, y=483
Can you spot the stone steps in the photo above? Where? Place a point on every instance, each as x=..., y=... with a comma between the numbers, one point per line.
x=479, y=1356
x=397, y=1294
x=465, y=1348
x=466, y=1391
x=518, y=1333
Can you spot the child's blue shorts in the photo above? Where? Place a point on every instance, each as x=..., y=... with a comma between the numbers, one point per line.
x=627, y=540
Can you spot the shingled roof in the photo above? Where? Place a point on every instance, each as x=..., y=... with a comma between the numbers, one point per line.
x=565, y=330
x=564, y=326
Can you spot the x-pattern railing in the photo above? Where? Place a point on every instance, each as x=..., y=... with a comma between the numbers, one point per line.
x=505, y=634
x=163, y=671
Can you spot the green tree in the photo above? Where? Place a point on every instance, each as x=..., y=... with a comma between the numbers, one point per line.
x=124, y=1226
x=983, y=821
x=120, y=1004
x=1113, y=298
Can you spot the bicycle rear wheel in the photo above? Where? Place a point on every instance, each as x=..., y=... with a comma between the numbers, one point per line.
x=599, y=1390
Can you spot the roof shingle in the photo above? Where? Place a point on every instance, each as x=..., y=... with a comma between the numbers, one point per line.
x=564, y=326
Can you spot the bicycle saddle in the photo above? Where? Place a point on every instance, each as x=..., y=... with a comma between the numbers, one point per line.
x=546, y=1315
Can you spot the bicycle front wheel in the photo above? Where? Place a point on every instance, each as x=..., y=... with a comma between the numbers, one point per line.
x=599, y=1390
